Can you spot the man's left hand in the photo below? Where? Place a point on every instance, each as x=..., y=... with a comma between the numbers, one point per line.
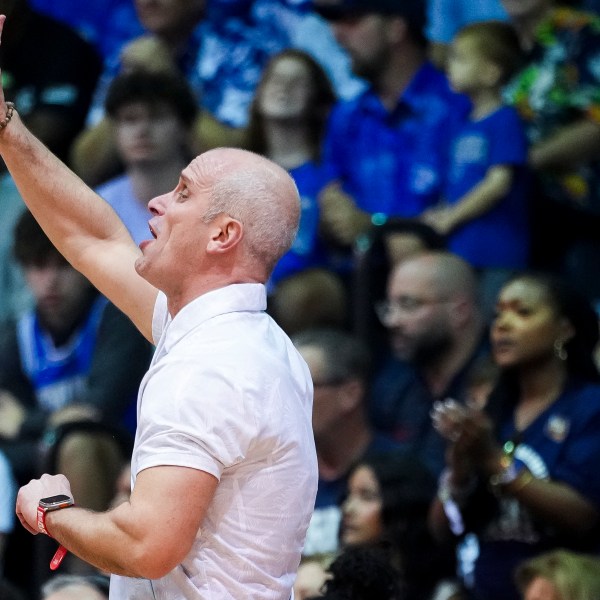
x=29, y=497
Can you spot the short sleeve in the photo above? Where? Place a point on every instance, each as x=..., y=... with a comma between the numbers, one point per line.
x=508, y=141
x=579, y=464
x=196, y=417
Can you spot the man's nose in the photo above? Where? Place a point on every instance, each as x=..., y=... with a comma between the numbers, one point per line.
x=158, y=204
x=503, y=320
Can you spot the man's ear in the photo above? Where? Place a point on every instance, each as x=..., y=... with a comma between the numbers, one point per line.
x=352, y=392
x=461, y=311
x=397, y=29
x=227, y=234
x=492, y=75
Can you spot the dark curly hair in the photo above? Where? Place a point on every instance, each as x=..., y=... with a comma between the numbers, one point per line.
x=407, y=489
x=362, y=573
x=570, y=304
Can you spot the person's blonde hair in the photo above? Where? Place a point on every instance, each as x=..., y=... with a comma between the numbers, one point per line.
x=575, y=576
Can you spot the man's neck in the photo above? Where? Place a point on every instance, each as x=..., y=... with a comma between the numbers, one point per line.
x=187, y=291
x=440, y=372
x=485, y=102
x=61, y=330
x=394, y=81
x=287, y=143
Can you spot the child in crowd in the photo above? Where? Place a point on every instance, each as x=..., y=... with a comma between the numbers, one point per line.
x=484, y=210
x=560, y=574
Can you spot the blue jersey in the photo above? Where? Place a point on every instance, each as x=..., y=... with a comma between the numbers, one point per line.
x=500, y=236
x=58, y=374
x=394, y=162
x=562, y=444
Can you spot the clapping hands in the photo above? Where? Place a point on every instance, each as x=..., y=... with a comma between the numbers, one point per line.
x=469, y=432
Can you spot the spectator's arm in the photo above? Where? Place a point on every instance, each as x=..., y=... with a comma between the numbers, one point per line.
x=479, y=200
x=558, y=504
x=572, y=144
x=341, y=219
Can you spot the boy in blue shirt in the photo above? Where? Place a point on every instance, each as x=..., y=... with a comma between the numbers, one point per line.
x=484, y=212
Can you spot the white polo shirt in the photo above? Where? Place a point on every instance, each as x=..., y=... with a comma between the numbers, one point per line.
x=227, y=393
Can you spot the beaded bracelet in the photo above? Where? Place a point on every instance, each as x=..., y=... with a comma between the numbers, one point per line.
x=10, y=109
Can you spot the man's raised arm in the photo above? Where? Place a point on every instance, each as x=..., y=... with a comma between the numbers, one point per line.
x=79, y=223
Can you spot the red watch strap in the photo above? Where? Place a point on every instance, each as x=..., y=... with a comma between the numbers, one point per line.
x=41, y=520
x=60, y=553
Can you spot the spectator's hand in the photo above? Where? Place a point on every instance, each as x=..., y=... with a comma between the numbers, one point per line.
x=12, y=415
x=147, y=53
x=29, y=496
x=73, y=413
x=310, y=579
x=441, y=219
x=340, y=218
x=470, y=432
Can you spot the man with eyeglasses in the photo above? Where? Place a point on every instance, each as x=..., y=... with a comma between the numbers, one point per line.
x=340, y=367
x=437, y=337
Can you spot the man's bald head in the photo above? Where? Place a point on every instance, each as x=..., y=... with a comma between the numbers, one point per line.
x=257, y=192
x=432, y=306
x=446, y=274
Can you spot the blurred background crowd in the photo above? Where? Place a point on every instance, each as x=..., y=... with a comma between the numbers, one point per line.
x=443, y=286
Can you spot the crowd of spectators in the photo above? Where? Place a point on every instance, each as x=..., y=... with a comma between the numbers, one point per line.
x=442, y=287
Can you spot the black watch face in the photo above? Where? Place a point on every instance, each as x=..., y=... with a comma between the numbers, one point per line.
x=58, y=499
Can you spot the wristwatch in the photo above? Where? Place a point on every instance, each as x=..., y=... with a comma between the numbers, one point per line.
x=49, y=504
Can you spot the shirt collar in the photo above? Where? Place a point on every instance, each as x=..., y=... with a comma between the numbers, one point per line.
x=239, y=297
x=411, y=98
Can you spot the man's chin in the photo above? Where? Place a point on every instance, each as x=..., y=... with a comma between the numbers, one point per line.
x=141, y=265
x=401, y=351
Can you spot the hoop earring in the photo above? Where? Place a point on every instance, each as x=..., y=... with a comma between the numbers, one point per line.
x=560, y=351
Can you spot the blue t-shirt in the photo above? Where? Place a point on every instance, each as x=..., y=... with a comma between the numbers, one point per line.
x=307, y=250
x=563, y=443
x=499, y=237
x=394, y=162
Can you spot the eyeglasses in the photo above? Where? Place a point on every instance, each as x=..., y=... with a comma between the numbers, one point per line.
x=388, y=310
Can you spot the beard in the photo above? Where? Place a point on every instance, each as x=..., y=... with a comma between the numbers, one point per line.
x=369, y=68
x=425, y=349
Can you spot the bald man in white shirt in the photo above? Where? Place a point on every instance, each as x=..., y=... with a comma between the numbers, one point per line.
x=224, y=469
